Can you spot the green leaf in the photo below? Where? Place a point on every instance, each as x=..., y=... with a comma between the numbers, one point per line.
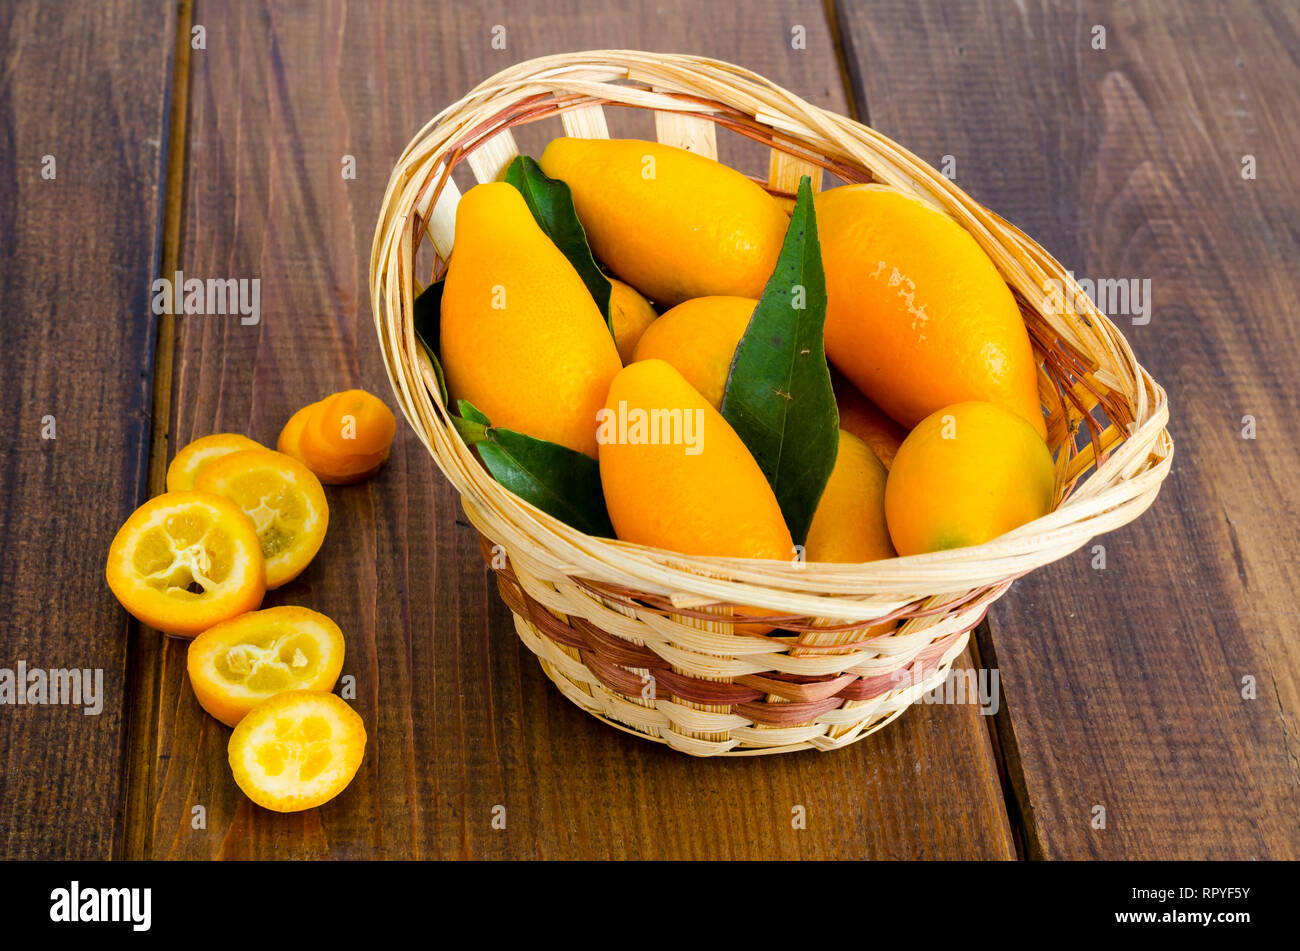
x=472, y=413
x=428, y=321
x=551, y=203
x=471, y=431
x=778, y=396
x=559, y=481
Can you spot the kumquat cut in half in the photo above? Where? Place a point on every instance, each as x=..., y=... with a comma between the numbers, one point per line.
x=352, y=423
x=185, y=561
x=346, y=437
x=297, y=750
x=190, y=461
x=237, y=664
x=283, y=498
x=291, y=436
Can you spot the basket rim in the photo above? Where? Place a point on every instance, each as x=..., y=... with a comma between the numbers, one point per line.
x=1123, y=485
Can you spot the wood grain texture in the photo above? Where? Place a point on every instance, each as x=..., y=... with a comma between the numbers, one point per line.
x=1125, y=684
x=88, y=86
x=460, y=716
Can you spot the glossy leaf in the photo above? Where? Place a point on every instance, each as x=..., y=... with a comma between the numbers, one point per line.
x=779, y=397
x=559, y=481
x=551, y=203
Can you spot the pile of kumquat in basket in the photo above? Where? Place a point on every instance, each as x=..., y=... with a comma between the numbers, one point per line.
x=236, y=520
x=646, y=344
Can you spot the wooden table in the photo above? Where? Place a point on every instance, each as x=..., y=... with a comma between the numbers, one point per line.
x=1167, y=152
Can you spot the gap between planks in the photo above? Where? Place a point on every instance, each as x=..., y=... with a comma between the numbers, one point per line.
x=856, y=112
x=145, y=646
x=1006, y=752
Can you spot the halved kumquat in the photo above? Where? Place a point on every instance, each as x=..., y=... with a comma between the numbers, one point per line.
x=297, y=750
x=346, y=437
x=190, y=461
x=290, y=439
x=185, y=561
x=283, y=498
x=351, y=423
x=237, y=664
x=342, y=470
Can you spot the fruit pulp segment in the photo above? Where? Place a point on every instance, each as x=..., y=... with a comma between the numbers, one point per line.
x=297, y=750
x=270, y=661
x=278, y=511
x=181, y=553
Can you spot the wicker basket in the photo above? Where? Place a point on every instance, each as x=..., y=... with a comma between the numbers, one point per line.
x=643, y=638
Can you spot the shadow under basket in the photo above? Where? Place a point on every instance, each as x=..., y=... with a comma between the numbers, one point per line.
x=646, y=639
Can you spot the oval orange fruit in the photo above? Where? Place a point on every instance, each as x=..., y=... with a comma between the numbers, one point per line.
x=965, y=475
x=686, y=483
x=849, y=524
x=673, y=224
x=522, y=339
x=918, y=316
x=866, y=420
x=630, y=314
x=698, y=338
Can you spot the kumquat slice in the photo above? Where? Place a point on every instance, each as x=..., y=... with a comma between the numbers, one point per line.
x=190, y=461
x=297, y=750
x=282, y=497
x=185, y=561
x=237, y=664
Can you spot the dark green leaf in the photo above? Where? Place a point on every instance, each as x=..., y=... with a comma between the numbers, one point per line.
x=551, y=203
x=559, y=481
x=428, y=321
x=778, y=396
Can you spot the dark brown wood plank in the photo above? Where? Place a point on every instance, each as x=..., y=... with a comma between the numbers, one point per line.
x=1125, y=685
x=461, y=717
x=87, y=85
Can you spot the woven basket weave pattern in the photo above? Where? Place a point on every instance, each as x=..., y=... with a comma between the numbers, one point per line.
x=645, y=639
